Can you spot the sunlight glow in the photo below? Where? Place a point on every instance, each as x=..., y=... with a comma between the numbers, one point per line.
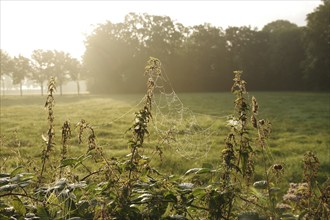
x=63, y=25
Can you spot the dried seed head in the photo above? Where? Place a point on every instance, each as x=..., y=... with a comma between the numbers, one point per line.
x=311, y=166
x=254, y=121
x=277, y=167
x=254, y=105
x=262, y=121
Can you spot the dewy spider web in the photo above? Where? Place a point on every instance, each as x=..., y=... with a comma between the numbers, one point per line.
x=176, y=126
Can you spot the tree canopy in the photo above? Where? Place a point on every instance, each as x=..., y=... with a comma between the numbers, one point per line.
x=281, y=56
x=317, y=46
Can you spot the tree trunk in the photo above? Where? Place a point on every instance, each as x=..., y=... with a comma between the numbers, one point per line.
x=61, y=89
x=3, y=86
x=78, y=87
x=42, y=88
x=21, y=88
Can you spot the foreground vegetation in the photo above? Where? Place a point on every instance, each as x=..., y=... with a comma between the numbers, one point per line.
x=97, y=175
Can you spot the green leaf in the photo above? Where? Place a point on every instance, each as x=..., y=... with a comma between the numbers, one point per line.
x=170, y=196
x=145, y=195
x=77, y=185
x=4, y=181
x=3, y=217
x=2, y=175
x=192, y=170
x=68, y=162
x=199, y=171
x=24, y=183
x=2, y=205
x=27, y=176
x=21, y=177
x=82, y=207
x=18, y=206
x=290, y=216
x=199, y=191
x=15, y=171
x=146, y=199
x=8, y=187
x=84, y=157
x=142, y=162
x=274, y=190
x=173, y=178
x=81, y=159
x=248, y=216
x=256, y=192
x=43, y=213
x=204, y=170
x=260, y=184
x=53, y=201
x=186, y=185
x=302, y=214
x=70, y=205
x=61, y=183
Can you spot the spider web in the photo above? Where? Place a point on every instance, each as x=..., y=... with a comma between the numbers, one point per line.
x=176, y=126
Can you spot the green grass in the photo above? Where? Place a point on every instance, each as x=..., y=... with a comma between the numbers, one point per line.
x=300, y=123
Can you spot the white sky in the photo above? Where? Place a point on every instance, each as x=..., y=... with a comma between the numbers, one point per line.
x=63, y=25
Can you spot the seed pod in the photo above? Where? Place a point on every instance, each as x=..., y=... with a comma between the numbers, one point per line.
x=254, y=105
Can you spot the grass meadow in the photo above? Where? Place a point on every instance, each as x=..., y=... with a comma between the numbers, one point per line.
x=300, y=123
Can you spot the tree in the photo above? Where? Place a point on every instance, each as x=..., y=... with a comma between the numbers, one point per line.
x=57, y=64
x=42, y=66
x=108, y=56
x=285, y=54
x=76, y=71
x=279, y=25
x=204, y=60
x=6, y=63
x=115, y=53
x=247, y=51
x=64, y=68
x=21, y=70
x=317, y=43
x=159, y=35
x=6, y=68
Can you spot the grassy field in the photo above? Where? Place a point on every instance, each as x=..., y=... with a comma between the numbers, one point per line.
x=300, y=123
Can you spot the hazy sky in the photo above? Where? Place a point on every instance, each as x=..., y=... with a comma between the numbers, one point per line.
x=63, y=25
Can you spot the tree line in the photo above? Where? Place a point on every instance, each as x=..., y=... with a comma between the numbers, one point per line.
x=40, y=67
x=281, y=56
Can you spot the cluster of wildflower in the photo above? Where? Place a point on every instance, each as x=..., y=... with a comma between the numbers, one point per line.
x=297, y=193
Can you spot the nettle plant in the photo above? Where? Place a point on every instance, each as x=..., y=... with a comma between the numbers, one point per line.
x=130, y=188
